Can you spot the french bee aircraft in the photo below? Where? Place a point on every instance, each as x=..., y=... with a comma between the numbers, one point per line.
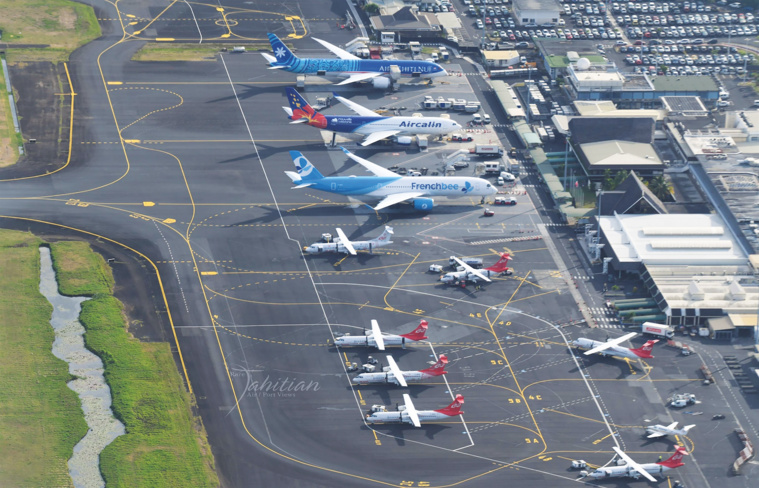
x=408, y=414
x=659, y=430
x=344, y=245
x=634, y=470
x=392, y=374
x=613, y=348
x=468, y=273
x=375, y=337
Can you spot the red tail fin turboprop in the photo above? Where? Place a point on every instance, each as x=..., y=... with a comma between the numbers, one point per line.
x=438, y=368
x=676, y=460
x=417, y=334
x=455, y=409
x=500, y=265
x=644, y=351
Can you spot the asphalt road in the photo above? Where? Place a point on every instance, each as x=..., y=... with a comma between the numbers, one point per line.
x=177, y=172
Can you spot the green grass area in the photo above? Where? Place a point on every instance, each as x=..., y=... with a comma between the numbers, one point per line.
x=161, y=51
x=165, y=445
x=41, y=419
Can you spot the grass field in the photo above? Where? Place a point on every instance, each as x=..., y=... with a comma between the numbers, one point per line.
x=157, y=51
x=41, y=419
x=165, y=445
x=59, y=23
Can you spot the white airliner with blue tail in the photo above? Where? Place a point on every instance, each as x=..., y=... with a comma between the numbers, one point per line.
x=349, y=68
x=387, y=186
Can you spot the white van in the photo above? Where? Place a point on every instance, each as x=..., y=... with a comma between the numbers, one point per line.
x=477, y=119
x=501, y=182
x=507, y=176
x=756, y=103
x=486, y=118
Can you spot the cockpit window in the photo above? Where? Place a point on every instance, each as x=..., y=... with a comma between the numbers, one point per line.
x=488, y=185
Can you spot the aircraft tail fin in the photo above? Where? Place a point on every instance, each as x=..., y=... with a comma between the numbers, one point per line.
x=676, y=460
x=283, y=56
x=454, y=408
x=417, y=334
x=300, y=110
x=385, y=237
x=688, y=427
x=305, y=171
x=644, y=351
x=438, y=368
x=501, y=265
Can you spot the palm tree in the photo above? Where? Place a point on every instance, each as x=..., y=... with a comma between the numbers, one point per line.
x=660, y=187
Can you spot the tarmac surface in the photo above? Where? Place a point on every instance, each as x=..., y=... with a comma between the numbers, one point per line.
x=176, y=172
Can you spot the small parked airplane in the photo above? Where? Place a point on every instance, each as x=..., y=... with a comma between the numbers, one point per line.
x=613, y=348
x=367, y=122
x=468, y=273
x=408, y=414
x=346, y=246
x=659, y=430
x=377, y=339
x=393, y=375
x=387, y=186
x=635, y=470
x=348, y=68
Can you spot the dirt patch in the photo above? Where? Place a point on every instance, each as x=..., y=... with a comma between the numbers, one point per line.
x=44, y=116
x=67, y=19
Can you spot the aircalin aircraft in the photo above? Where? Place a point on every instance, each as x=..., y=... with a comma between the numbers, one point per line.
x=393, y=374
x=346, y=246
x=635, y=470
x=377, y=339
x=613, y=348
x=387, y=186
x=348, y=68
x=410, y=415
x=367, y=122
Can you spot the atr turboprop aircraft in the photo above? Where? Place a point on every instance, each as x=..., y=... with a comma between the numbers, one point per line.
x=367, y=122
x=387, y=186
x=468, y=273
x=377, y=339
x=410, y=415
x=348, y=68
x=613, y=348
x=346, y=246
x=392, y=374
x=635, y=470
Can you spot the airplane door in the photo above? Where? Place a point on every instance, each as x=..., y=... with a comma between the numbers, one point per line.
x=333, y=186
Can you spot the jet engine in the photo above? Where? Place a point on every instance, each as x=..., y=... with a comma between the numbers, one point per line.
x=423, y=203
x=381, y=82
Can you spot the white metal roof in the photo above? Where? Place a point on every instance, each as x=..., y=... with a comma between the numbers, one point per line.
x=668, y=239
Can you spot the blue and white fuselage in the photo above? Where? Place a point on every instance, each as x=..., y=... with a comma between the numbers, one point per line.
x=386, y=186
x=348, y=68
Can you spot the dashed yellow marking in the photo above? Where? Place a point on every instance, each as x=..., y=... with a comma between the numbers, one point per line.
x=164, y=39
x=115, y=82
x=209, y=273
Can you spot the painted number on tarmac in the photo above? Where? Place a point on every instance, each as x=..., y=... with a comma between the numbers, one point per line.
x=413, y=483
x=535, y=397
x=473, y=315
x=531, y=441
x=496, y=362
x=504, y=323
x=515, y=400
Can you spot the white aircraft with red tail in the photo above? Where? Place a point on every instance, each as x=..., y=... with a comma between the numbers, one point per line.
x=635, y=470
x=613, y=348
x=468, y=273
x=408, y=414
x=375, y=337
x=393, y=375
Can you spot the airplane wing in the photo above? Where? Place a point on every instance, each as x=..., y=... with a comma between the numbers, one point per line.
x=397, y=198
x=377, y=334
x=345, y=241
x=412, y=413
x=672, y=426
x=396, y=371
x=360, y=77
x=378, y=136
x=655, y=435
x=637, y=467
x=374, y=168
x=470, y=269
x=340, y=53
x=611, y=343
x=359, y=109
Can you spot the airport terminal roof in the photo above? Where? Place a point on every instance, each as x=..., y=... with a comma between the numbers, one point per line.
x=685, y=83
x=673, y=240
x=562, y=60
x=598, y=129
x=537, y=4
x=500, y=55
x=620, y=154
